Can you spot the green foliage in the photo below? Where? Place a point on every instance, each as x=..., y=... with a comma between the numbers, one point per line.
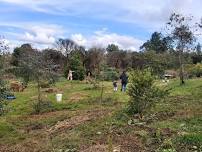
x=112, y=48
x=142, y=91
x=44, y=84
x=182, y=34
x=91, y=132
x=191, y=139
x=42, y=106
x=194, y=70
x=157, y=62
x=18, y=53
x=167, y=146
x=33, y=67
x=157, y=43
x=110, y=74
x=76, y=65
x=66, y=71
x=3, y=94
x=4, y=91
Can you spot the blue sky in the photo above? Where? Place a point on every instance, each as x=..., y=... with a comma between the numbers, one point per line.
x=90, y=23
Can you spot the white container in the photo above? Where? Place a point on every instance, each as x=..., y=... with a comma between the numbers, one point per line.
x=58, y=97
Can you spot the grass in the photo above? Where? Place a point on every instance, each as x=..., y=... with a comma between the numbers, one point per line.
x=177, y=117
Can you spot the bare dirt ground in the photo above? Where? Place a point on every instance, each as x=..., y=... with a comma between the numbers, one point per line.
x=77, y=120
x=41, y=135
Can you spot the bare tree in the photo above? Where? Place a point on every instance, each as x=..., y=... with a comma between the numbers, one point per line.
x=66, y=46
x=93, y=60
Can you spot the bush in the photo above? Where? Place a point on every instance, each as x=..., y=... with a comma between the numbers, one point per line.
x=110, y=74
x=41, y=106
x=3, y=94
x=194, y=70
x=142, y=91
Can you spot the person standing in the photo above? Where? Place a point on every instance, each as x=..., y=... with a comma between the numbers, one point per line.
x=124, y=81
x=70, y=75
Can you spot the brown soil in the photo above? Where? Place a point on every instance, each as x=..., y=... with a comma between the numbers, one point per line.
x=29, y=145
x=45, y=115
x=76, y=120
x=96, y=148
x=124, y=143
x=78, y=96
x=129, y=143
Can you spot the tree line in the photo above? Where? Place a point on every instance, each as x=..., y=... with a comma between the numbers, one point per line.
x=172, y=50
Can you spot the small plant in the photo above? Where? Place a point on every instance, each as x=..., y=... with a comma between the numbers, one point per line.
x=41, y=106
x=167, y=146
x=143, y=92
x=95, y=83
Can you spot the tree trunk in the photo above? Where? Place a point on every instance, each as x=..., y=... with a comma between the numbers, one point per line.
x=181, y=68
x=102, y=91
x=39, y=96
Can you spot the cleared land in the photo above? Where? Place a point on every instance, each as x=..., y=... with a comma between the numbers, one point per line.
x=83, y=122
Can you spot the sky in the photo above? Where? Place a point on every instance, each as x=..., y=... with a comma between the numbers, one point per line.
x=90, y=23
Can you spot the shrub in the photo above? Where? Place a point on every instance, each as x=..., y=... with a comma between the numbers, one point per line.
x=3, y=94
x=42, y=106
x=142, y=91
x=194, y=70
x=110, y=74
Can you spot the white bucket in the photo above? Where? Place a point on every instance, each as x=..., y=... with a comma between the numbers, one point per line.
x=58, y=97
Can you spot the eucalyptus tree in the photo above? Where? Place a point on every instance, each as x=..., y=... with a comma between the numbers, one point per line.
x=182, y=31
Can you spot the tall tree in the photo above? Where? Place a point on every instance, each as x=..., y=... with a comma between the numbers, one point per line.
x=112, y=48
x=57, y=58
x=18, y=53
x=182, y=34
x=93, y=60
x=198, y=49
x=66, y=46
x=157, y=43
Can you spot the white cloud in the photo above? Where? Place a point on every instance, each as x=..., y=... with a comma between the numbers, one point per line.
x=148, y=13
x=41, y=34
x=79, y=39
x=103, y=38
x=40, y=38
x=38, y=34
